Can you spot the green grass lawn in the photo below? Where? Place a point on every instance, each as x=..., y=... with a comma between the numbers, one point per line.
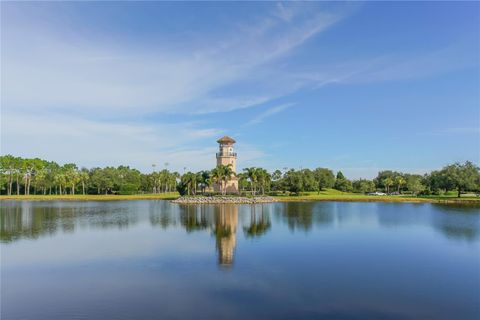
x=325, y=195
x=335, y=195
x=80, y=197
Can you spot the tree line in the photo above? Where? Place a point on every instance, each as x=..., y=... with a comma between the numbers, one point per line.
x=454, y=177
x=37, y=176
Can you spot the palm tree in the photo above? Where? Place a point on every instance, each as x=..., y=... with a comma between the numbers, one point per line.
x=252, y=175
x=84, y=177
x=217, y=176
x=164, y=180
x=71, y=175
x=242, y=181
x=264, y=178
x=228, y=174
x=189, y=179
x=28, y=167
x=173, y=180
x=203, y=178
x=8, y=166
x=41, y=180
x=208, y=183
x=387, y=183
x=221, y=175
x=400, y=181
x=60, y=180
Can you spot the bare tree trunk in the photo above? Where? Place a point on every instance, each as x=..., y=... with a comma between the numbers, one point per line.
x=18, y=187
x=10, y=184
x=83, y=187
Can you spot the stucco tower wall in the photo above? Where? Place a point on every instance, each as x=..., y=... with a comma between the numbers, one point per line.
x=225, y=156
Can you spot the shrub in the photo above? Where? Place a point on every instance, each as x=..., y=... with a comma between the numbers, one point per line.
x=128, y=188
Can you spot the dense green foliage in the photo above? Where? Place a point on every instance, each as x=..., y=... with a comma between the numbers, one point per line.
x=36, y=176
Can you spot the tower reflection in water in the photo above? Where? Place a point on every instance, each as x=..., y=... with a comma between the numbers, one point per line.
x=223, y=221
x=226, y=220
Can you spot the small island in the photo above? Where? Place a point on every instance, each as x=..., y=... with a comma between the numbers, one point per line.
x=224, y=199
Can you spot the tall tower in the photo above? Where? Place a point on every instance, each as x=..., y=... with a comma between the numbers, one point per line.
x=226, y=156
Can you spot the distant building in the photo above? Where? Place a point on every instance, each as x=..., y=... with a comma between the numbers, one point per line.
x=226, y=156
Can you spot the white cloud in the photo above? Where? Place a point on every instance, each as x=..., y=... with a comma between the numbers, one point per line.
x=100, y=143
x=54, y=82
x=230, y=104
x=61, y=72
x=69, y=97
x=406, y=66
x=269, y=112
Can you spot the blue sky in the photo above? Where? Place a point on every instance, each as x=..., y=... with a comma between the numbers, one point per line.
x=357, y=87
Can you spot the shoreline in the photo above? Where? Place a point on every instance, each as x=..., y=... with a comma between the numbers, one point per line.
x=400, y=200
x=224, y=199
x=243, y=200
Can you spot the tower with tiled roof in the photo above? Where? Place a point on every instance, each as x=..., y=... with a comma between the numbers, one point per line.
x=227, y=156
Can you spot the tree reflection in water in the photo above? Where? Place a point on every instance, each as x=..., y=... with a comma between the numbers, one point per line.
x=457, y=222
x=161, y=257
x=303, y=215
x=31, y=220
x=259, y=224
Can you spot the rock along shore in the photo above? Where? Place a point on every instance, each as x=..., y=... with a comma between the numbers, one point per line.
x=222, y=199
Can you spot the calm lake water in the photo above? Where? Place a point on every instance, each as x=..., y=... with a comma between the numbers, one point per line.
x=312, y=260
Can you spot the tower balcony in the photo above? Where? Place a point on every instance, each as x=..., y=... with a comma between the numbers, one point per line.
x=226, y=154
